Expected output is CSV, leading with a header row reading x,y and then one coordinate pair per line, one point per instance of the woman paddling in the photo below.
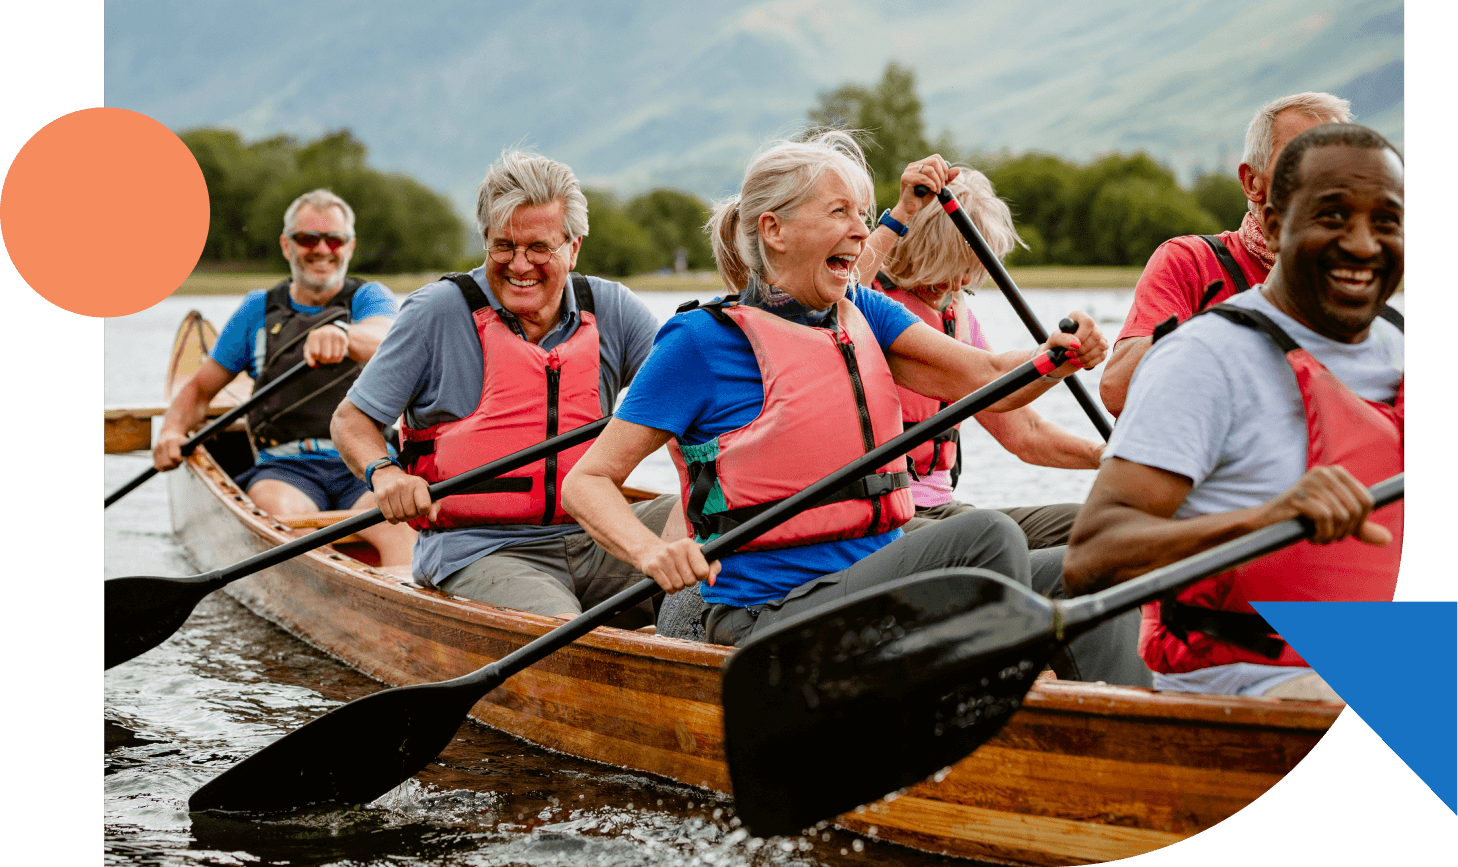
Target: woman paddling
x,y
775,387
928,270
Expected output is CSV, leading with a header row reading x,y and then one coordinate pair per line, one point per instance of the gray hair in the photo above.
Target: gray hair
x,y
933,251
1261,134
524,178
780,179
320,200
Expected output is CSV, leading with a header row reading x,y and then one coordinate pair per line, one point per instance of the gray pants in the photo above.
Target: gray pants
x,y
983,538
1045,526
564,575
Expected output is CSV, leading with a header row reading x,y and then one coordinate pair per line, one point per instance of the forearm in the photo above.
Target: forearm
x,y
598,505
949,370
1035,440
1119,372
186,411
358,438
1112,543
873,257
365,337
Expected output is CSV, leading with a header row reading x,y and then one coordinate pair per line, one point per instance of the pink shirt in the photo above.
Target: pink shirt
x,y
935,488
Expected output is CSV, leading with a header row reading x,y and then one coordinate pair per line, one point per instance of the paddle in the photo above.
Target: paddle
x,y
221,422
215,427
1009,289
360,751
142,611
837,707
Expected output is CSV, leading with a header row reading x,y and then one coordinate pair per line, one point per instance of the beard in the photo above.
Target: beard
x,y
302,277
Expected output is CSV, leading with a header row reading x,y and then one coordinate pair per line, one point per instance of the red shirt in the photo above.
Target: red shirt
x,y
1175,279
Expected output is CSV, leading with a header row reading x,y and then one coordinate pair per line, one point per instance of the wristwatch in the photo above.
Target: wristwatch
x,y
369,479
892,223
341,325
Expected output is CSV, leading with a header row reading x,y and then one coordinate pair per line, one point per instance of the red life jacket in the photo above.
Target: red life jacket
x,y
528,394
945,451
828,399
1366,437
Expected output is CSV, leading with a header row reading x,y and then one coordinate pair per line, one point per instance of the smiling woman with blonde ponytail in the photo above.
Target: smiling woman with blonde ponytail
x,y
788,378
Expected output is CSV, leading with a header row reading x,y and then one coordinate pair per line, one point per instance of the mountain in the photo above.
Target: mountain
x,y
638,95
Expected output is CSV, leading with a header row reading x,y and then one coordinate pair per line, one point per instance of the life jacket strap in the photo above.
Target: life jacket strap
x,y
1241,628
867,487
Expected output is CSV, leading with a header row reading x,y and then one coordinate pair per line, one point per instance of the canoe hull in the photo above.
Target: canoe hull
x,y
1081,774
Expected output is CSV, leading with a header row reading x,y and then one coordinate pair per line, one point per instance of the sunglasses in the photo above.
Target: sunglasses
x,y
308,240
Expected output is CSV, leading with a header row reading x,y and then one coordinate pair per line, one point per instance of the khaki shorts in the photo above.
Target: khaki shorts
x,y
565,575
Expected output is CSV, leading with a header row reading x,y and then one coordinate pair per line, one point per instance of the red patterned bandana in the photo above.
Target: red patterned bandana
x,y
1255,240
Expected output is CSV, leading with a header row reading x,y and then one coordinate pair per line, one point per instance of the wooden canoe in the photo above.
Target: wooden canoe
x,y
1082,773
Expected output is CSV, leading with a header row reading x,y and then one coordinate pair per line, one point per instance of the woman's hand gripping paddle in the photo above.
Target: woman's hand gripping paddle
x,y
839,706
358,752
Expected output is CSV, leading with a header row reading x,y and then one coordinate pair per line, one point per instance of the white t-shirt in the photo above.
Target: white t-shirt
x,y
1218,403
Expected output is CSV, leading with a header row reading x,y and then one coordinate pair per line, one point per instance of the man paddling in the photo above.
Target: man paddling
x,y
1285,401
484,364
1180,278
319,316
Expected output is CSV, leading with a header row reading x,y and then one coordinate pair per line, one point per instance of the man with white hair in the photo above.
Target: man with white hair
x,y
332,322
1181,277
485,364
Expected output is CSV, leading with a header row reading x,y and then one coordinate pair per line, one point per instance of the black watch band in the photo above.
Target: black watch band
x,y
369,474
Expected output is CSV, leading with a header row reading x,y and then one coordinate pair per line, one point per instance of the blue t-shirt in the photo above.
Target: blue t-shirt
x,y
241,344
702,380
239,348
429,368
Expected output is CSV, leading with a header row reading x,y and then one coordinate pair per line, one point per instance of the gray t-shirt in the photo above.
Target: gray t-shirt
x,y
1218,403
429,368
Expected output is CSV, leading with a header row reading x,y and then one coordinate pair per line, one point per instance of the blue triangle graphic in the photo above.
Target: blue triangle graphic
x,y
1396,665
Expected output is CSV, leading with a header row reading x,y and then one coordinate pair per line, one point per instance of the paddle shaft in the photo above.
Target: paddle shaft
x,y
227,418
1088,611
1009,289
453,485
781,512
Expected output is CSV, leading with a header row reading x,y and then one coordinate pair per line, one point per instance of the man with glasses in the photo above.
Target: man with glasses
x,y
318,316
485,364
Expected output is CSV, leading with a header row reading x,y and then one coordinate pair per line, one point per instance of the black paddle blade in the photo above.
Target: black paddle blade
x,y
838,707
142,612
351,755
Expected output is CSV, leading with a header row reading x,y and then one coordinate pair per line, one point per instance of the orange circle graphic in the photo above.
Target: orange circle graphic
x,y
104,212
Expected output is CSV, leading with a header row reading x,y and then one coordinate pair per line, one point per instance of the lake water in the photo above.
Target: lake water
x,y
229,683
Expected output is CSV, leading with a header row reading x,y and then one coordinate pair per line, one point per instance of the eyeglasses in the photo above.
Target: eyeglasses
x,y
308,240
537,254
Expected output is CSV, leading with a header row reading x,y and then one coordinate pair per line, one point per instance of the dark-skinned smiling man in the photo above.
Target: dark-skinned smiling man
x,y
1285,401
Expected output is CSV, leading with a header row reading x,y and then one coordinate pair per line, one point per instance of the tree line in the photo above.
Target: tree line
x,y
1114,210
404,226
401,225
